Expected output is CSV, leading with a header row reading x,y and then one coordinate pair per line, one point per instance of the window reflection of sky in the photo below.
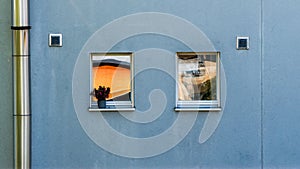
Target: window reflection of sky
x,y
119,58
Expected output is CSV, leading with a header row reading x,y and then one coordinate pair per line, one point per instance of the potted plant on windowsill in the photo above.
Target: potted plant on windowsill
x,y
101,94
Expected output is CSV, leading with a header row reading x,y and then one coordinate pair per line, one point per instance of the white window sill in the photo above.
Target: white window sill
x,y
192,109
111,110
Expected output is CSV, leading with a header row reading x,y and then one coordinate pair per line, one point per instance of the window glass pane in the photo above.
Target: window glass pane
x,y
113,72
197,77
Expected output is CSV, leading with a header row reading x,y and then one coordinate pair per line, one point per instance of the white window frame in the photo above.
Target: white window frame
x,y
199,105
113,105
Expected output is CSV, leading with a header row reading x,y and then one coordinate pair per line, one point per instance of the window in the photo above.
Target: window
x,y
198,81
113,70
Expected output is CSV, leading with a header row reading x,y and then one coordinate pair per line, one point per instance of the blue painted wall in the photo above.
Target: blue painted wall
x,y
6,106
252,132
281,84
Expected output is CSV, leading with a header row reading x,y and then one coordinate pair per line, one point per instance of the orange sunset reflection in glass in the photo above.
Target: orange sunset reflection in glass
x,y
113,72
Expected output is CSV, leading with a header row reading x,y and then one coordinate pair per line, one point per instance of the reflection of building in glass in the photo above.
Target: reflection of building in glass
x,y
113,72
197,77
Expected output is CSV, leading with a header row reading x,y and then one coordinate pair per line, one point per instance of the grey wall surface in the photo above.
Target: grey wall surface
x,y
59,138
281,84
6,122
259,127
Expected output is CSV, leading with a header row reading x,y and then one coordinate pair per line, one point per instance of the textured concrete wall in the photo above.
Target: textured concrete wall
x,y
259,126
60,140
6,120
281,84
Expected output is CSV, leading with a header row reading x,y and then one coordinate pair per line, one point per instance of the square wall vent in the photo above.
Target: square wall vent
x,y
242,43
55,40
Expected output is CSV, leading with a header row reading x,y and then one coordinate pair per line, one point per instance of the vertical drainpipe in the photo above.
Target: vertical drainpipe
x,y
21,81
